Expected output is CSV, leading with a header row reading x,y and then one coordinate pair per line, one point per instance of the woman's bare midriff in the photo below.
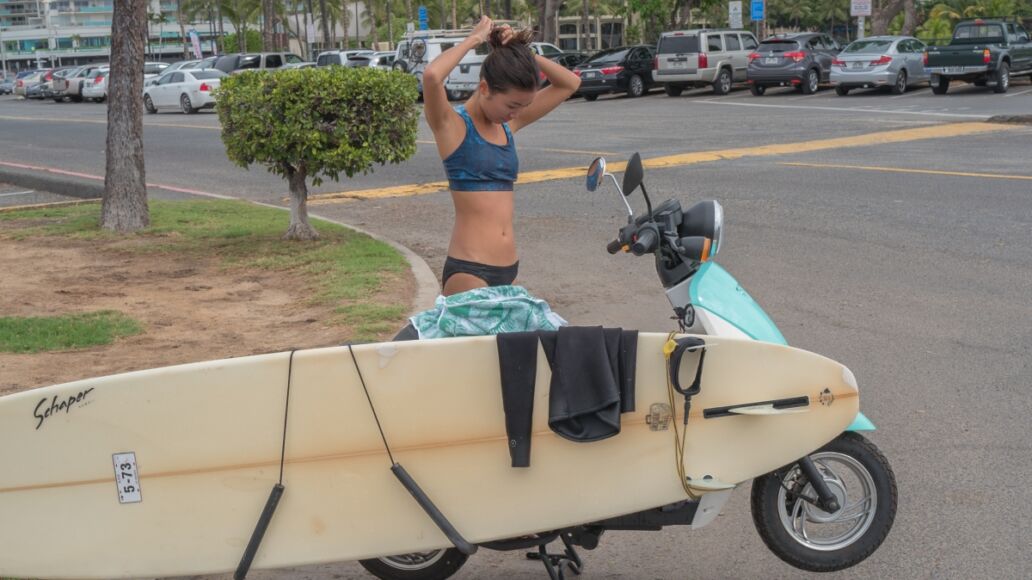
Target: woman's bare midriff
x,y
483,228
482,234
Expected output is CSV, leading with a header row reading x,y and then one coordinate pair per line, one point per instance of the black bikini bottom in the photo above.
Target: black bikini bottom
x,y
493,275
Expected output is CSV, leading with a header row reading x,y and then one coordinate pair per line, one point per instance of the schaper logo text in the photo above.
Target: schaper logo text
x,y
44,411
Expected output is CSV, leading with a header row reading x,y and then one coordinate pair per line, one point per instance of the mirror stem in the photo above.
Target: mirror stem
x,y
648,203
630,212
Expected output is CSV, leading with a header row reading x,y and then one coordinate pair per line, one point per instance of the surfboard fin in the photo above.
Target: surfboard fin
x,y
767,409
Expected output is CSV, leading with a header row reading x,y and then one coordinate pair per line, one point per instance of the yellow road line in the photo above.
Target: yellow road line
x,y
905,170
104,122
866,140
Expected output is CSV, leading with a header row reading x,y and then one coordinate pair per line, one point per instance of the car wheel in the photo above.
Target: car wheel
x,y
186,105
432,565
455,95
76,98
673,90
722,85
841,91
635,87
811,82
900,86
940,86
757,90
149,105
1002,78
590,97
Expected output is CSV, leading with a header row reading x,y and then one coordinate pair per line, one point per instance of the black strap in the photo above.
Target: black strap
x,y
410,484
274,496
685,344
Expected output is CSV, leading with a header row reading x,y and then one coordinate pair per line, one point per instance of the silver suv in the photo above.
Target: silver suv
x,y
695,58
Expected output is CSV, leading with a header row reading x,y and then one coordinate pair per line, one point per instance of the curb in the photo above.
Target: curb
x,y
60,183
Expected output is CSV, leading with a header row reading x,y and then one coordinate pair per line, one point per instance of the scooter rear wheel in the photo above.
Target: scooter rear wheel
x,y
432,565
809,538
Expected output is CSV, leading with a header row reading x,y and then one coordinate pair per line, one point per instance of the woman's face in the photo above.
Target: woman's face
x,y
504,106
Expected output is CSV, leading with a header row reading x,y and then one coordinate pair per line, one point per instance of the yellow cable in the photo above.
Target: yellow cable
x,y
679,438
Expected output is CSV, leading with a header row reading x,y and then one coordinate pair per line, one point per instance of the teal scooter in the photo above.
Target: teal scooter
x,y
825,512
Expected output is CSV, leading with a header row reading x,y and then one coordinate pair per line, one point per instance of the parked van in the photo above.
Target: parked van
x,y
696,58
421,47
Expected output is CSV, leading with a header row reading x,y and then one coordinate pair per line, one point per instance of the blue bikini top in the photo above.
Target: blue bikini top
x,y
479,165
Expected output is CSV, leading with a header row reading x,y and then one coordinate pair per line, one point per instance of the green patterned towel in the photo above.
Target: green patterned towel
x,y
484,311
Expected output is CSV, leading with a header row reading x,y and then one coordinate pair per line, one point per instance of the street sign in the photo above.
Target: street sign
x,y
759,10
423,18
734,14
860,8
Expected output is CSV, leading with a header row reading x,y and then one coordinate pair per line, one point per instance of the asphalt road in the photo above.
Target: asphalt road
x,y
909,260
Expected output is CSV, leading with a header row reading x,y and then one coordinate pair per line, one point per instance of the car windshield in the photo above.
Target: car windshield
x,y
208,74
977,32
614,56
778,46
868,46
678,44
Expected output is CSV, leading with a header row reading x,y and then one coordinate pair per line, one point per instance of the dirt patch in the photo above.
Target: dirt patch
x,y
192,310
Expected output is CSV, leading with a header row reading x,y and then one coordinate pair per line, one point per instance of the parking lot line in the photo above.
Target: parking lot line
x,y
1013,94
13,193
104,122
911,93
867,139
907,170
841,109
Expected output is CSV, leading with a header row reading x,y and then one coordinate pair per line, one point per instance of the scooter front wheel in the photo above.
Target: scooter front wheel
x,y
807,537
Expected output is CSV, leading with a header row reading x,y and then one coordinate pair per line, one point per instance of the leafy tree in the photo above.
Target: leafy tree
x,y
317,122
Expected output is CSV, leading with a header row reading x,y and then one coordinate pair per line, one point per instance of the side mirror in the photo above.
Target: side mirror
x,y
632,175
596,171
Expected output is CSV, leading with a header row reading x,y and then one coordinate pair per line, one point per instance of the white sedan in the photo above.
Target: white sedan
x,y
95,86
188,90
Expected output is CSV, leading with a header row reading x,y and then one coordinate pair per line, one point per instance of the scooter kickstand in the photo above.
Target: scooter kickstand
x,y
555,563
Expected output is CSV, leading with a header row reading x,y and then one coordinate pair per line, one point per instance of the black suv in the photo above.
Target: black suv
x,y
625,69
801,60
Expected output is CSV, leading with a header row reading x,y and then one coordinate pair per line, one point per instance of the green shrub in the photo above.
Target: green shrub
x,y
317,122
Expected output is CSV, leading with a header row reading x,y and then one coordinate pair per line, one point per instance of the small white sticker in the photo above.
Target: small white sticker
x,y
127,479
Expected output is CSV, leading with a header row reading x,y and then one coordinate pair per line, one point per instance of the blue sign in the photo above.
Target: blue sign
x,y
422,18
758,10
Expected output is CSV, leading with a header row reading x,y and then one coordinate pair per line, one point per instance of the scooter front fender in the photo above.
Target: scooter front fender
x,y
861,423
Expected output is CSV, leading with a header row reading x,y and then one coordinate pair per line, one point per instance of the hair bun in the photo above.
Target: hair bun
x,y
520,38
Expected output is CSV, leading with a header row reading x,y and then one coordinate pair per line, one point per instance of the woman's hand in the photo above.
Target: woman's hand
x,y
482,30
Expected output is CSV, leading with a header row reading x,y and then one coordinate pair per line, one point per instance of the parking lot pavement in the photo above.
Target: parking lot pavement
x,y
15,196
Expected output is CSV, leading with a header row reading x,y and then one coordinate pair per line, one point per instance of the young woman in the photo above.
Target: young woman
x,y
476,143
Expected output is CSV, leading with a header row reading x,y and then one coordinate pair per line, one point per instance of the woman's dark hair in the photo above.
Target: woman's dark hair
x,y
510,65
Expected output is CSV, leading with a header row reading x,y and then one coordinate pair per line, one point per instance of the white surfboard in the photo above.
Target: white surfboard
x,y
165,472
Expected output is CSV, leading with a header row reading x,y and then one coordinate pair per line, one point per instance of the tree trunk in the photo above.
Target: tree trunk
x,y
325,25
299,228
507,7
124,206
546,14
182,28
883,15
454,13
585,44
222,29
345,16
268,39
909,17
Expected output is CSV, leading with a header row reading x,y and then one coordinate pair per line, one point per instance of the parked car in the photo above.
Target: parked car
x,y
545,49
205,63
231,63
29,85
879,61
625,69
984,52
568,60
182,64
52,82
340,57
19,81
802,60
382,60
153,69
94,87
71,85
697,58
189,90
7,86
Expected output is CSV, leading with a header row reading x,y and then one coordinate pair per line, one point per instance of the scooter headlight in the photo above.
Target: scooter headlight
x,y
718,227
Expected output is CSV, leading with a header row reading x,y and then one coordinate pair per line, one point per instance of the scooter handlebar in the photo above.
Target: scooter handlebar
x,y
645,241
614,246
